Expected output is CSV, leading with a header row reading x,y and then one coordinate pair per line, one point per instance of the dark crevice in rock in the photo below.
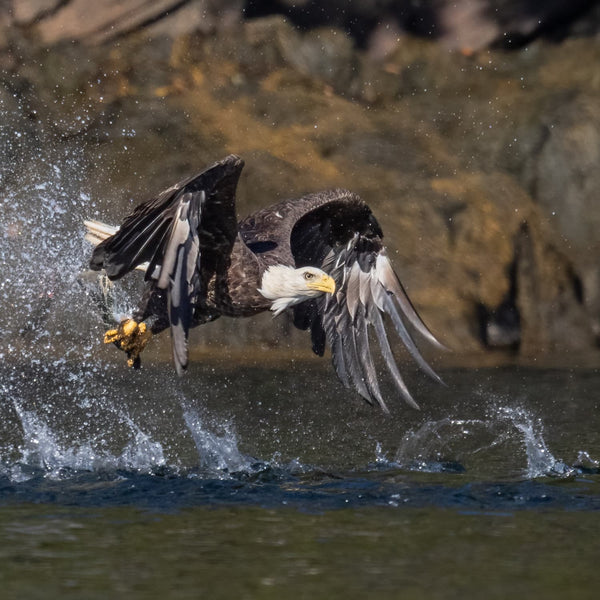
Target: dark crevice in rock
x,y
500,327
530,19
577,284
358,19
450,212
472,24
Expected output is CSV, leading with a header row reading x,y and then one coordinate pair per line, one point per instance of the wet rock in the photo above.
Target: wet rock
x,y
27,12
567,180
481,169
475,24
53,21
327,54
516,293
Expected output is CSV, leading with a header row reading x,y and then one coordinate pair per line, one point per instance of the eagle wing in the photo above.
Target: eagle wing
x,y
339,234
185,234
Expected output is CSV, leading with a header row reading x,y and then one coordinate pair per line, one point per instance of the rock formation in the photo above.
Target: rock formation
x,y
482,166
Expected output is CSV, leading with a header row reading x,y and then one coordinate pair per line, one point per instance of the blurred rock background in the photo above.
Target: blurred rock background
x,y
472,128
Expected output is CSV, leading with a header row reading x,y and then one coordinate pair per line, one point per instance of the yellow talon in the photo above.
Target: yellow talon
x,y
131,337
112,335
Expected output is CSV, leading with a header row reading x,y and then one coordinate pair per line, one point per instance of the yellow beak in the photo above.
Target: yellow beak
x,y
324,284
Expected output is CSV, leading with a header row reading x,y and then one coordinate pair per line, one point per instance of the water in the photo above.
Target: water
x,y
265,481
247,482
248,435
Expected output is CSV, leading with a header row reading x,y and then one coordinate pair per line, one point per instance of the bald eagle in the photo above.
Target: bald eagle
x,y
319,257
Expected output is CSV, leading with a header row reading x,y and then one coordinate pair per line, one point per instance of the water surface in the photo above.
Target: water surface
x,y
259,482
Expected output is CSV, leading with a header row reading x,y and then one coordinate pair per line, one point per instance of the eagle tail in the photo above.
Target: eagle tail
x,y
97,232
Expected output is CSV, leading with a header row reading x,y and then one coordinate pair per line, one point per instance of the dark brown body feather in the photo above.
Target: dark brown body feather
x,y
203,264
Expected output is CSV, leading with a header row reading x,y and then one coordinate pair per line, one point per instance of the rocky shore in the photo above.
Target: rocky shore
x,y
482,165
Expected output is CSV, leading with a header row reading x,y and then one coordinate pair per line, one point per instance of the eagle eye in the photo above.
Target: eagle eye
x,y
308,275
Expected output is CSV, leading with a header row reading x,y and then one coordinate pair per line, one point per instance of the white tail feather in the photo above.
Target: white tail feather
x,y
97,232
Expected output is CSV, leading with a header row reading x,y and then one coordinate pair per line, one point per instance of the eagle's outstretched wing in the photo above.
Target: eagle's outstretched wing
x,y
339,234
185,235
367,290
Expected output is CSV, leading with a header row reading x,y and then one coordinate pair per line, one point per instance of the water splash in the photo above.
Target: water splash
x,y
586,464
55,392
540,461
218,454
446,444
433,448
142,453
42,450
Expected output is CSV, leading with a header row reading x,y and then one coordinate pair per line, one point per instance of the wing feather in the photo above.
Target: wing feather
x,y
348,246
352,359
328,319
380,293
186,234
388,356
361,340
179,273
407,338
386,275
352,284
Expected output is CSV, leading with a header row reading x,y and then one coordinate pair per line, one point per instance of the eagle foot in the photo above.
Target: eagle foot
x,y
131,337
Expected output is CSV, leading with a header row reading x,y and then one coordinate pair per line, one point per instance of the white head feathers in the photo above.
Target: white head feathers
x,y
288,286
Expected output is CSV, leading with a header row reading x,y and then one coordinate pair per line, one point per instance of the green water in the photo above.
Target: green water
x,y
249,483
250,552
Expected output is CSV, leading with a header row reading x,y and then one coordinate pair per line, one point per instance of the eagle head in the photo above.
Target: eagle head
x,y
287,286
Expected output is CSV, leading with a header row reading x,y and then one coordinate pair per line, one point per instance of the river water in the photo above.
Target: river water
x,y
261,482
252,480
